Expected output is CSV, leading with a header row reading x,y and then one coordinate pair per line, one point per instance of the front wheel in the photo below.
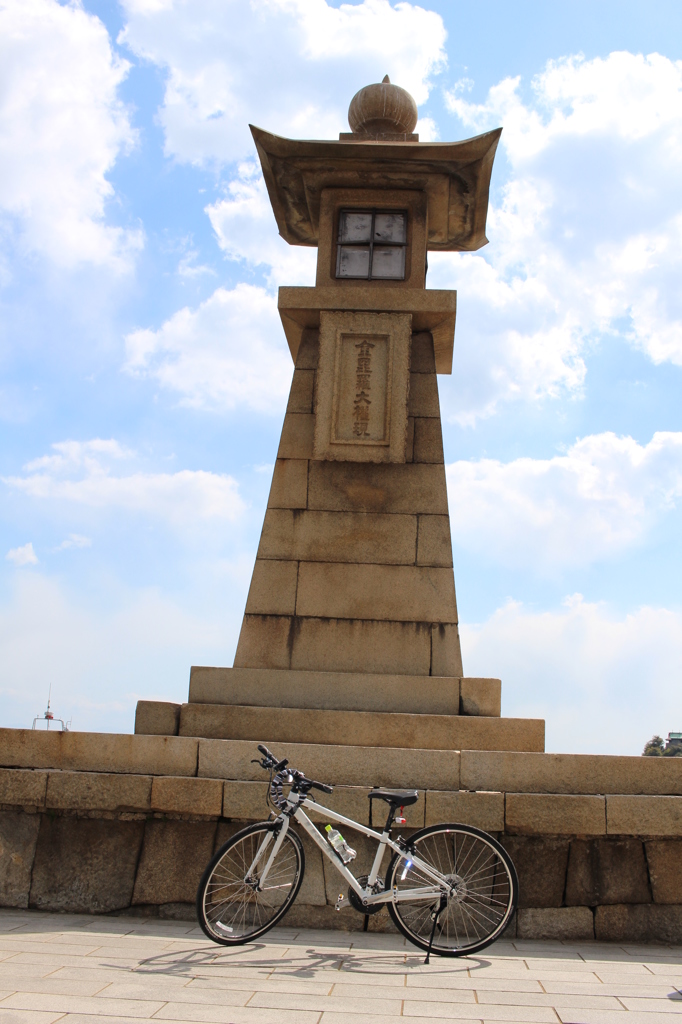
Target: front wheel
x,y
481,888
233,905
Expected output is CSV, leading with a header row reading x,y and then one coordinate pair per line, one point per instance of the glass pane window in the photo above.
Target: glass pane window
x,y
355,226
371,244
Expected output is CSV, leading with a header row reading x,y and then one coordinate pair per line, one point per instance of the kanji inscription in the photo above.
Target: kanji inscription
x,y
360,390
362,385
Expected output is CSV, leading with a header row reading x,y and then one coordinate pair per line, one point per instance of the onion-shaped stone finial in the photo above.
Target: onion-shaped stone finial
x,y
383,108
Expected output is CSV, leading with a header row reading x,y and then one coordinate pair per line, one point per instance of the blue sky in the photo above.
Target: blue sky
x,y
144,372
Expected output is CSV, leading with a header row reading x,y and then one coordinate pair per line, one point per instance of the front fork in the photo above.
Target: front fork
x,y
262,849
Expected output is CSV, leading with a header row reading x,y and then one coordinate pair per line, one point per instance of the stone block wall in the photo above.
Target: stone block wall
x,y
113,842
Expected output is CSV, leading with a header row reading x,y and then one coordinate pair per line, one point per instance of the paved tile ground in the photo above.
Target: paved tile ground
x,y
104,970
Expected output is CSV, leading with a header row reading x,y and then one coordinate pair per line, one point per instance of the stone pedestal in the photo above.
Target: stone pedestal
x,y
350,635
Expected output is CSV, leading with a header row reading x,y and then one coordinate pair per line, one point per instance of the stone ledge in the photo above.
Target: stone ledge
x,y
23,788
575,774
482,810
187,796
638,923
99,752
550,814
644,815
98,791
560,923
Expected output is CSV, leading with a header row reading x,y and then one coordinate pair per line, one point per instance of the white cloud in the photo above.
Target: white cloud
x,y
75,540
586,237
62,127
593,502
604,683
229,352
22,556
81,472
289,65
246,230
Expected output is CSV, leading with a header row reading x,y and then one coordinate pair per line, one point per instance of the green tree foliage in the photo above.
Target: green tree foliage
x,y
655,747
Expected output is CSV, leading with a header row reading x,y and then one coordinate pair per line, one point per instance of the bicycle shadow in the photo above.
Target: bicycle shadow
x,y
306,963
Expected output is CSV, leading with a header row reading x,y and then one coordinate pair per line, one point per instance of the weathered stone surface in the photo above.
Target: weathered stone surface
x,y
289,488
301,394
335,645
308,350
638,924
361,387
346,487
560,923
644,815
446,653
428,440
482,810
85,865
434,546
265,641
273,588
541,866
174,855
346,645
157,718
22,788
98,791
480,696
296,441
399,593
245,800
367,728
571,773
339,537
554,814
422,359
664,859
338,765
423,395
187,796
344,691
98,752
606,871
18,836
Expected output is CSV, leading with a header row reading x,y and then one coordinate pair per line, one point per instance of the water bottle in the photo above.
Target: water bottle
x,y
338,843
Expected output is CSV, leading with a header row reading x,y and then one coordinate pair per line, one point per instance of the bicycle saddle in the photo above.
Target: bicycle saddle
x,y
397,797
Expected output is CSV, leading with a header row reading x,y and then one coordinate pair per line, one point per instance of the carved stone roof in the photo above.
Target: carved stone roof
x,y
455,176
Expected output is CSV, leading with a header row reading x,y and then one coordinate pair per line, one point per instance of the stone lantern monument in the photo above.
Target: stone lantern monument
x,y
350,630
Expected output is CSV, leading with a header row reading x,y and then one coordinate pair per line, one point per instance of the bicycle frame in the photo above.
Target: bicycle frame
x,y
294,809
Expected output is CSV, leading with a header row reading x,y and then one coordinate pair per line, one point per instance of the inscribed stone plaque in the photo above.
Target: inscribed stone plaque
x,y
362,386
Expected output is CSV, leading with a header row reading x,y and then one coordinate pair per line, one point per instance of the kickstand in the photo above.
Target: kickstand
x,y
435,914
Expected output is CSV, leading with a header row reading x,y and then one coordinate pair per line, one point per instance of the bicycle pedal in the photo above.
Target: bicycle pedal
x,y
340,902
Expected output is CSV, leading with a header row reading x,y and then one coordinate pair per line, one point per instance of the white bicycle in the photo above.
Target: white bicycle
x,y
449,888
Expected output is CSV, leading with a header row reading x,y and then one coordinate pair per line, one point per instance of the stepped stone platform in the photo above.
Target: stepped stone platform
x,y
102,823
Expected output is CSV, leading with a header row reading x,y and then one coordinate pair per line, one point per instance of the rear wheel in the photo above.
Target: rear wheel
x,y
481,893
233,906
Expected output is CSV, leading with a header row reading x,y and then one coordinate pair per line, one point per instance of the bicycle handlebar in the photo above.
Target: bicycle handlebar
x,y
298,779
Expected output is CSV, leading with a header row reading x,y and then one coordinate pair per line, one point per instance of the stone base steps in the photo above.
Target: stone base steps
x,y
85,841
659,779
361,728
345,691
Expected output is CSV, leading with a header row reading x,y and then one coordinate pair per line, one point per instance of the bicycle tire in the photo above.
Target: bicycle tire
x,y
481,906
225,900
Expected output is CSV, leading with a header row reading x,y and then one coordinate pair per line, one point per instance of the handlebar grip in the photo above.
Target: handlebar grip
x,y
265,752
323,787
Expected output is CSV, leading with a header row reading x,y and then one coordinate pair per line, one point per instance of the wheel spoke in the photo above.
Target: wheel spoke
x,y
234,908
477,879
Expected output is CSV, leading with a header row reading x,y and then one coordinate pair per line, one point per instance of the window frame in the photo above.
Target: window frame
x,y
371,244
